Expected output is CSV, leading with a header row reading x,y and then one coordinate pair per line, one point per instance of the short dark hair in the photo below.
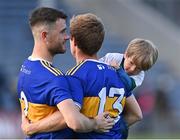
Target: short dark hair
x,y
45,15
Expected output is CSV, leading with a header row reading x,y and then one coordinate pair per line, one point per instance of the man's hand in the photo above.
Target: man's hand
x,y
25,125
50,123
104,123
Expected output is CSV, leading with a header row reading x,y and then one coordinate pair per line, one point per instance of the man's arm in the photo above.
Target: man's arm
x,y
77,121
132,112
53,122
80,123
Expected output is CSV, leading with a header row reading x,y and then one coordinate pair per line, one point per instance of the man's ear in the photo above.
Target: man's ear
x,y
43,35
73,40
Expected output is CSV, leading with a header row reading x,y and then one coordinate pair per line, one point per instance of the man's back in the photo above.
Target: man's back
x,y
39,85
101,90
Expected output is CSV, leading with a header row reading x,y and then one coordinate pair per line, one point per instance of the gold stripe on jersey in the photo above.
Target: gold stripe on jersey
x,y
38,111
50,68
69,71
55,69
91,105
109,106
61,73
46,66
123,101
75,68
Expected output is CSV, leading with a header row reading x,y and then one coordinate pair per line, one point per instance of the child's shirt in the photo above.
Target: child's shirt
x,y
119,59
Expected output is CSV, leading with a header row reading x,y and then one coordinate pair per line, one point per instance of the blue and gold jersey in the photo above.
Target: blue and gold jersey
x,y
40,88
100,89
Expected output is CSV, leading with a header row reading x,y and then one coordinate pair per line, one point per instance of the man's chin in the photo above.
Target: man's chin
x,y
64,49
62,52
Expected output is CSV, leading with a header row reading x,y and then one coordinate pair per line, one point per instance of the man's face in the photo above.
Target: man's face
x,y
57,37
130,67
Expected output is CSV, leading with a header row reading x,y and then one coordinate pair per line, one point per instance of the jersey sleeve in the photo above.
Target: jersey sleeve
x,y
58,90
112,57
76,90
126,79
138,79
129,93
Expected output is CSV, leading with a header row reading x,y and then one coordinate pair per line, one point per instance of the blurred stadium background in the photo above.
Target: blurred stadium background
x,y
157,20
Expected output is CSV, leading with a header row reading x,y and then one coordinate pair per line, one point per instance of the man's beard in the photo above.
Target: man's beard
x,y
59,49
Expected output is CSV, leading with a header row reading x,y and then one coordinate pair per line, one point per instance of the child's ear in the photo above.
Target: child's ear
x,y
125,54
73,40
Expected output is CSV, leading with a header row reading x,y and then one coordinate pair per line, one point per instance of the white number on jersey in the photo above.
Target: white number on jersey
x,y
23,97
116,105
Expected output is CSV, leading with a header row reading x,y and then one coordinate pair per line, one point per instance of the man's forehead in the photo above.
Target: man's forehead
x,y
61,23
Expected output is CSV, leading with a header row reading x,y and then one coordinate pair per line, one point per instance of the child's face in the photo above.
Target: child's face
x,y
130,67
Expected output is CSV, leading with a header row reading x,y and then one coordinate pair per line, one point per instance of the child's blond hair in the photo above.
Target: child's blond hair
x,y
143,52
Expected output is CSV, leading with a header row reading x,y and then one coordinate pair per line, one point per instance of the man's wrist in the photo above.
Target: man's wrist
x,y
31,129
95,124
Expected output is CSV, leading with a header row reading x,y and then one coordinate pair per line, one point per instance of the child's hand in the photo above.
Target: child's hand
x,y
114,64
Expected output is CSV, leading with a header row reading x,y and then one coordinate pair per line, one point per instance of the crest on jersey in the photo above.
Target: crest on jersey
x,y
100,67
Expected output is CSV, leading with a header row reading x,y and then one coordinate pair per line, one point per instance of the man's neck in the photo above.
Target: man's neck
x,y
82,57
40,52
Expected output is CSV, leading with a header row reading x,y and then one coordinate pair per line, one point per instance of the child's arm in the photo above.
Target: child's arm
x,y
130,82
115,59
109,58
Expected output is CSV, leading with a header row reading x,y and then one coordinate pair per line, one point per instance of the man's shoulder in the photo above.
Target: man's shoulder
x,y
83,67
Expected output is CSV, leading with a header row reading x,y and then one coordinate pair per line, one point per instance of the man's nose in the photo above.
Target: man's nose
x,y
66,37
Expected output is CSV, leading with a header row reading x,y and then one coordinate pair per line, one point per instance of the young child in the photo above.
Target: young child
x,y
139,56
